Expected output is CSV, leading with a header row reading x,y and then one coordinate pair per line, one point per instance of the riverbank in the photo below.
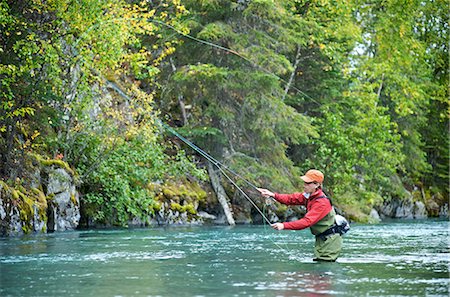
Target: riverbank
x,y
49,200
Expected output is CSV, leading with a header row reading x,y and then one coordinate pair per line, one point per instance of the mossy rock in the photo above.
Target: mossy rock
x,y
183,191
190,209
176,207
187,208
52,162
26,197
155,207
26,201
355,214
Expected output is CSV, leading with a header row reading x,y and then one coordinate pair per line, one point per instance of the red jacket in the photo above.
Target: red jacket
x,y
317,208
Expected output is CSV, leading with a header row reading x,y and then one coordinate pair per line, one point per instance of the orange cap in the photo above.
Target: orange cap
x,y
313,175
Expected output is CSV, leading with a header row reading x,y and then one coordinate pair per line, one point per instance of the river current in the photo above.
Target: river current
x,y
397,258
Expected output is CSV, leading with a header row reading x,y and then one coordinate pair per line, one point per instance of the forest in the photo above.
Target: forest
x,y
358,89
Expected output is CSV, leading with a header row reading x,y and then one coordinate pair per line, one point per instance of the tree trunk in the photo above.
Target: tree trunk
x,y
183,110
221,195
379,89
291,78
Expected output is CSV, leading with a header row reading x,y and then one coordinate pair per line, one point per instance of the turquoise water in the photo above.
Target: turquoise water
x,y
403,258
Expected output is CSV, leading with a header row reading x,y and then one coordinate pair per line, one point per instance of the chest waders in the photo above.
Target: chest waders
x,y
326,248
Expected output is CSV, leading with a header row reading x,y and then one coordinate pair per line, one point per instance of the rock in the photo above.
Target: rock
x,y
206,216
11,224
39,223
403,209
2,209
221,220
433,208
419,210
58,181
393,209
168,216
443,211
139,222
64,207
272,217
374,216
47,202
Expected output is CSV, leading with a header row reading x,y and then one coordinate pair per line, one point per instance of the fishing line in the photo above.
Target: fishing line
x,y
232,52
211,159
199,41
221,167
285,249
245,195
218,164
205,154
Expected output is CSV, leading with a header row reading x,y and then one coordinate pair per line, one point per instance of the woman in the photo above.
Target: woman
x,y
320,216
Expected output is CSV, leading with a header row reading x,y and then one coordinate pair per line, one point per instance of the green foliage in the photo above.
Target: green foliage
x,y
356,89
394,67
432,30
359,72
216,31
245,116
55,62
117,187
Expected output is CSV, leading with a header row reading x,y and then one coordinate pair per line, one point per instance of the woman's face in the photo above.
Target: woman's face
x,y
310,187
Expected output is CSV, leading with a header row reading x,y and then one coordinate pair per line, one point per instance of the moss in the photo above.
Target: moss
x,y
281,210
26,200
176,206
57,163
153,187
41,199
417,195
26,211
15,194
190,209
73,198
354,214
156,206
199,192
169,193
183,191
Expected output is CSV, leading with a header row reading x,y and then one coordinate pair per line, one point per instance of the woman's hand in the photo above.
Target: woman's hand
x,y
266,193
277,226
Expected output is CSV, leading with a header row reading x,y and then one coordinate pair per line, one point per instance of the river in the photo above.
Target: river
x,y
397,258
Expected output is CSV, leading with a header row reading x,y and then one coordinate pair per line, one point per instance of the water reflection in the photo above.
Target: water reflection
x,y
312,282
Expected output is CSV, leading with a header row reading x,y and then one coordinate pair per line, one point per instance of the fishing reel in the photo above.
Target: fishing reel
x,y
269,201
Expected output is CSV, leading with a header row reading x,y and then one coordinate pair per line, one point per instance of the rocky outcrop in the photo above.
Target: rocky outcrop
x,y
64,208
178,203
403,209
374,216
46,202
10,222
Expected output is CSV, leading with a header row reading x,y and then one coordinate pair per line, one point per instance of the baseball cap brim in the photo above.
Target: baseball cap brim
x,y
306,179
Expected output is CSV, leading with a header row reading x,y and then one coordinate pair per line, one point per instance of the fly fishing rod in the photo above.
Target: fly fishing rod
x,y
219,165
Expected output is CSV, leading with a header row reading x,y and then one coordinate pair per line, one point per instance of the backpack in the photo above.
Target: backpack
x,y
342,225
